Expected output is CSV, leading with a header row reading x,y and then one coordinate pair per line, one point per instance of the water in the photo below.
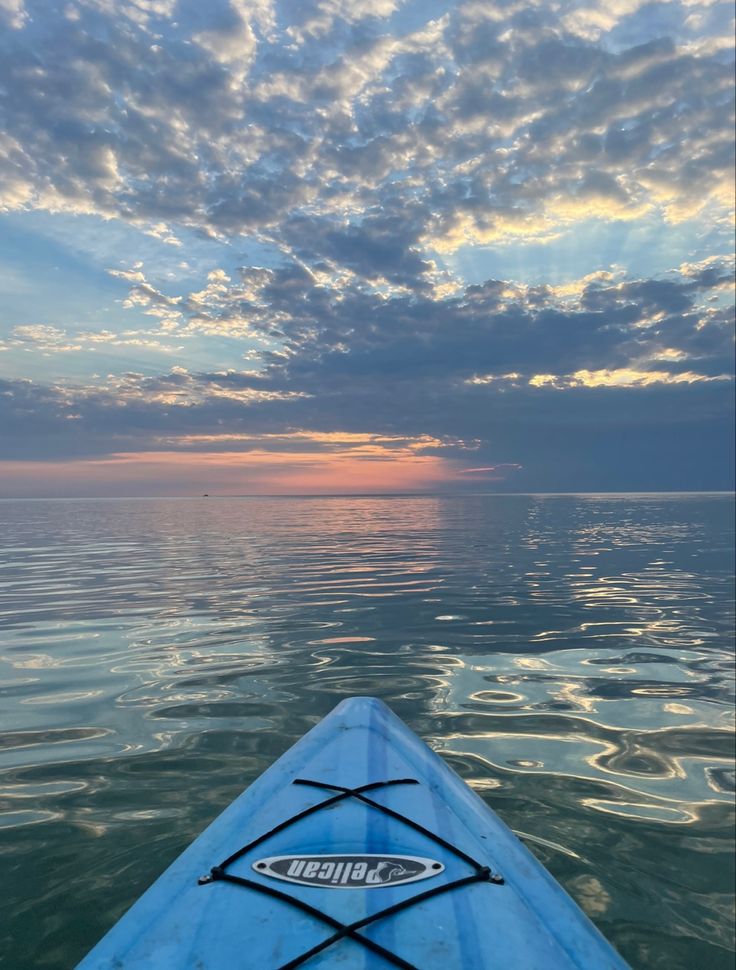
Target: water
x,y
570,656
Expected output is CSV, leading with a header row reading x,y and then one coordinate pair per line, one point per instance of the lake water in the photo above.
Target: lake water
x,y
570,656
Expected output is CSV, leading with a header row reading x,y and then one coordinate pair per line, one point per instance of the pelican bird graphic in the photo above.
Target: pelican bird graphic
x,y
388,871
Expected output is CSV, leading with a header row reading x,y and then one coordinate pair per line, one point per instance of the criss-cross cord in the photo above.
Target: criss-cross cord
x,y
344,930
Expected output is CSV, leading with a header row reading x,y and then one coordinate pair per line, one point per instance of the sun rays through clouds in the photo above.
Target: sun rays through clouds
x,y
337,246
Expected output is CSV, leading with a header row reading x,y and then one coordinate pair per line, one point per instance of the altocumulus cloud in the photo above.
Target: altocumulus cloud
x,y
371,149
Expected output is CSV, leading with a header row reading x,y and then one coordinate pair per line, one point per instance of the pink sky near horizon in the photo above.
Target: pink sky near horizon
x,y
255,472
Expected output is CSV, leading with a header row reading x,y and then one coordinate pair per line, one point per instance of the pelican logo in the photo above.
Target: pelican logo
x,y
348,871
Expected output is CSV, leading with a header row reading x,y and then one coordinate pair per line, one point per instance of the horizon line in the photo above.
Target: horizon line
x,y
331,495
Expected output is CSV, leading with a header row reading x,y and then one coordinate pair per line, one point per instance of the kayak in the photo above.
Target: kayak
x,y
358,848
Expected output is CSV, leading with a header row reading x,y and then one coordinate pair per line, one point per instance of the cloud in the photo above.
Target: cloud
x,y
229,38
315,330
47,340
494,473
41,337
292,120
359,145
311,19
487,378
171,473
622,377
14,13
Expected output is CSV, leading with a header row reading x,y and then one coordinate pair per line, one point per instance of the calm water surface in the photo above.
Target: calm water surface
x,y
571,657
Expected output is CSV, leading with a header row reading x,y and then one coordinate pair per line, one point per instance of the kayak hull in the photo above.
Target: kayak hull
x,y
361,791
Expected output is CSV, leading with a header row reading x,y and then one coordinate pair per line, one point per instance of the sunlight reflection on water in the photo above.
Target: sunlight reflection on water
x,y
570,656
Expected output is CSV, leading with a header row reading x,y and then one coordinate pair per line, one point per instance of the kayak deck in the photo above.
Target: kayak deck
x,y
359,848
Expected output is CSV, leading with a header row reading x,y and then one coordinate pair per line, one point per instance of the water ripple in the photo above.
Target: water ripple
x,y
570,656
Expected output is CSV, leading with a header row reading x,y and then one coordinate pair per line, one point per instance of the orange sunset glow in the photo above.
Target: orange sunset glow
x,y
253,472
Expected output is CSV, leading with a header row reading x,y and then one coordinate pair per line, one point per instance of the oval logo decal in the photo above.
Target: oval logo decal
x,y
348,871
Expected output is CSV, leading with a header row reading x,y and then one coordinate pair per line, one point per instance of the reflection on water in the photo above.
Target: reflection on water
x,y
570,656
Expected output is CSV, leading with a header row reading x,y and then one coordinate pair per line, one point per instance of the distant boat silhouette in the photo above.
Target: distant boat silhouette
x,y
205,495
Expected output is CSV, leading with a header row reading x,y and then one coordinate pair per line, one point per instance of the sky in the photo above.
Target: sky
x,y
355,246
